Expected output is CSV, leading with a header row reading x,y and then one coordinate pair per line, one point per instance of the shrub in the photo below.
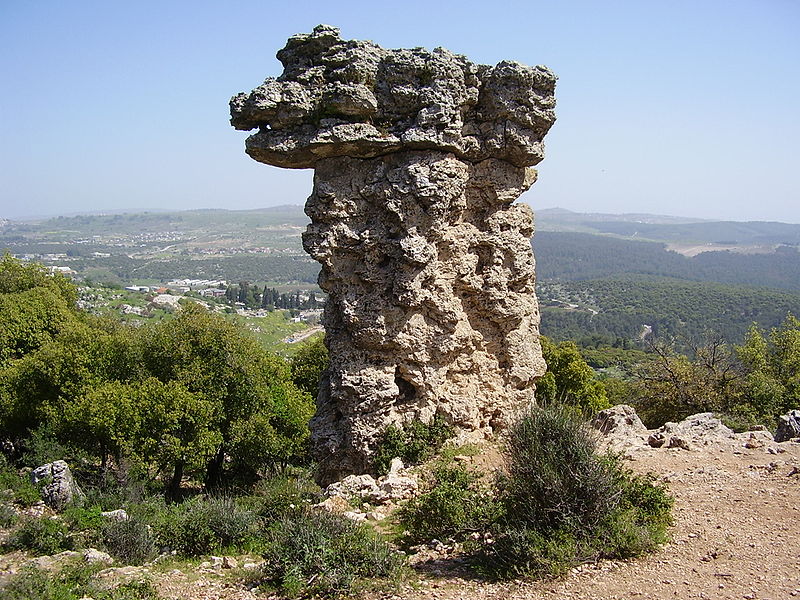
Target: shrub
x,y
320,554
42,446
70,584
81,518
110,490
414,444
129,541
8,516
457,504
569,379
281,496
554,477
565,504
24,492
204,525
40,536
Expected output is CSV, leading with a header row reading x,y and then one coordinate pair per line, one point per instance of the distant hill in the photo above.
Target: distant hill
x,y
598,274
670,229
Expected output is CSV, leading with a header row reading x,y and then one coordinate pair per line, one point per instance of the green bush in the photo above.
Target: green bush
x,y
129,541
414,444
318,554
70,584
554,477
205,525
40,536
8,516
282,496
81,518
42,446
456,505
23,491
569,379
565,504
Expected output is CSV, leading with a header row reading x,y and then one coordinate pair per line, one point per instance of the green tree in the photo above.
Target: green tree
x,y
221,361
179,429
672,386
34,306
36,388
16,276
569,380
308,365
105,420
771,384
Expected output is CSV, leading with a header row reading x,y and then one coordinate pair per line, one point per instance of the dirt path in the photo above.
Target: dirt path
x,y
303,335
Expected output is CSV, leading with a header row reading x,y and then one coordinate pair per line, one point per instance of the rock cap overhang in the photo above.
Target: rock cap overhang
x,y
353,98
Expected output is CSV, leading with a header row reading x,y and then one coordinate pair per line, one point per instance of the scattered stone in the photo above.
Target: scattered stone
x,y
396,466
398,487
363,487
127,573
334,504
54,561
59,488
229,562
216,562
354,515
419,156
676,441
36,510
756,439
115,515
788,426
97,557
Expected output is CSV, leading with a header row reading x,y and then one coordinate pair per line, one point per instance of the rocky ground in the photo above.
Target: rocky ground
x,y
737,521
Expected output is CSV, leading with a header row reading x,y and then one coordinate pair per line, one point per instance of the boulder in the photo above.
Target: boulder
x,y
621,429
619,421
362,487
58,486
701,429
93,556
398,487
788,426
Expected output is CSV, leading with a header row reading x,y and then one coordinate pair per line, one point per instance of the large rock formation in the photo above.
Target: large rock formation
x,y
418,157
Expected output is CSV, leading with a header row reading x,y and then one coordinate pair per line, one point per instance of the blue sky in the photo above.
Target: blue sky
x,y
682,108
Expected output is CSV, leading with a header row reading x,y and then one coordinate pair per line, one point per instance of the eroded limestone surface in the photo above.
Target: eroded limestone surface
x,y
418,157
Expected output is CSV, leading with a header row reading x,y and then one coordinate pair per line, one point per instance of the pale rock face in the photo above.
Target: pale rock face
x,y
418,157
788,426
59,488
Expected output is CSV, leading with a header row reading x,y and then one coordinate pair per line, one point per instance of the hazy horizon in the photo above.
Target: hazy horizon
x,y
685,109
134,210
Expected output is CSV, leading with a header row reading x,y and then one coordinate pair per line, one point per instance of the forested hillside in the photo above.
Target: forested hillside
x,y
628,306
581,256
594,285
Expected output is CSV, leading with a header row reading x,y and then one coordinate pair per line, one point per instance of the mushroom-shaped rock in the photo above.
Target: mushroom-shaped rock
x,y
419,156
